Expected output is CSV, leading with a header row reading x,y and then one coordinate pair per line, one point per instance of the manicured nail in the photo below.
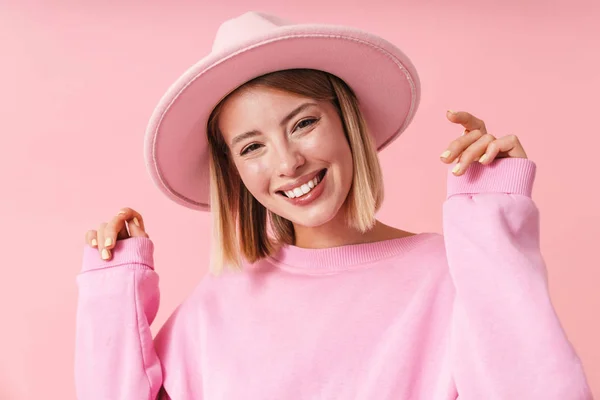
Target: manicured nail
x,y
107,242
456,168
94,242
122,213
445,154
452,111
135,221
483,158
105,254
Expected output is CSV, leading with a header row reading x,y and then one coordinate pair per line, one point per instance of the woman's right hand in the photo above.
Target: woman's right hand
x,y
107,234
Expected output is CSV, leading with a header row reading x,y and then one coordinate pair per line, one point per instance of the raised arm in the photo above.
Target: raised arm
x,y
507,341
118,300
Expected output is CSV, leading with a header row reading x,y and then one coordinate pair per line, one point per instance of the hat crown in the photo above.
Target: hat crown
x,y
244,27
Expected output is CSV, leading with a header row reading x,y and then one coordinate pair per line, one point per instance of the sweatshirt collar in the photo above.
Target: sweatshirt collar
x,y
342,258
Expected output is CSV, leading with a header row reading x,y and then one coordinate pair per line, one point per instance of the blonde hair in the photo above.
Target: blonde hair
x,y
239,222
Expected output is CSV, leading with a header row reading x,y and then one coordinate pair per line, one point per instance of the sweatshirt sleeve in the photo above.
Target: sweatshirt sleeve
x,y
506,339
118,300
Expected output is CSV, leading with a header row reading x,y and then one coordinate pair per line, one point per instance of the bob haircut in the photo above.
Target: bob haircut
x,y
243,227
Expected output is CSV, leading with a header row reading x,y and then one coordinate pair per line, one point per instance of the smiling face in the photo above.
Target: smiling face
x,y
279,142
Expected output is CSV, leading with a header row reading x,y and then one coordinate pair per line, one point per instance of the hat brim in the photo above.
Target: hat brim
x,y
383,78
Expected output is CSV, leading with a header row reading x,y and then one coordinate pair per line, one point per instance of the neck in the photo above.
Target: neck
x,y
336,233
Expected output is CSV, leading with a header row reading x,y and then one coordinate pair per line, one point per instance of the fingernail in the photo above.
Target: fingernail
x,y
107,242
445,154
94,242
452,111
122,213
483,158
105,254
135,221
456,168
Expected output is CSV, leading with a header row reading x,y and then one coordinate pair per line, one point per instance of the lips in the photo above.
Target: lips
x,y
320,174
313,195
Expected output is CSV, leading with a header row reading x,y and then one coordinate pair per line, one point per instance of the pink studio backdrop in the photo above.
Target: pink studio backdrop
x,y
79,81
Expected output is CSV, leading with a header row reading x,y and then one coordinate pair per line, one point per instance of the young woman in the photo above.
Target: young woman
x,y
309,296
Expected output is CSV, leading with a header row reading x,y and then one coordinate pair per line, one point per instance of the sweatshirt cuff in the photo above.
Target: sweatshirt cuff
x,y
502,175
133,250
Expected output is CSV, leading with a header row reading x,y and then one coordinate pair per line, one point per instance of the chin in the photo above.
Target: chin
x,y
311,222
310,218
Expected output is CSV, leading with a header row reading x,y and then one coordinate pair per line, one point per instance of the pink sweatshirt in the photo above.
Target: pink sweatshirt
x,y
465,315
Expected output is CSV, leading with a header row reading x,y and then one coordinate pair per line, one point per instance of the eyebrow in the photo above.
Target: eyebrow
x,y
283,122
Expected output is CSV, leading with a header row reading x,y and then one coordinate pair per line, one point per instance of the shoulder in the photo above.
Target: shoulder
x,y
428,247
206,298
424,252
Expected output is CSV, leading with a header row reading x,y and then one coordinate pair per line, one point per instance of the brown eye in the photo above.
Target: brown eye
x,y
306,122
248,149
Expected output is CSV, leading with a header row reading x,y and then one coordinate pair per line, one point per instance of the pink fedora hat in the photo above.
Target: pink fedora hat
x,y
176,145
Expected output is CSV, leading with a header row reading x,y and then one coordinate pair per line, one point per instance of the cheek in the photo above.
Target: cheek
x,y
255,176
337,149
330,146
326,144
346,166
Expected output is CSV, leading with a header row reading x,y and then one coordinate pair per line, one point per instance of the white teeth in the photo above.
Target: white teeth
x,y
303,189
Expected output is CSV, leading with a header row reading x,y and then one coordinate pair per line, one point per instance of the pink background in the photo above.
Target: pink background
x,y
80,79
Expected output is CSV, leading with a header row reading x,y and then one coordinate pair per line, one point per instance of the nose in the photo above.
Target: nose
x,y
290,159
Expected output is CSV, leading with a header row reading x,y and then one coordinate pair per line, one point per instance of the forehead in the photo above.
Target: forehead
x,y
249,107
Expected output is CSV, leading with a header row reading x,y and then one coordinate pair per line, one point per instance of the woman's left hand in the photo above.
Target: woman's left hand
x,y
476,144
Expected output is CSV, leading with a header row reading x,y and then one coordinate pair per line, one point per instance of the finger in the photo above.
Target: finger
x,y
91,238
136,231
132,215
472,153
458,145
509,146
116,229
123,233
105,254
491,153
468,121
